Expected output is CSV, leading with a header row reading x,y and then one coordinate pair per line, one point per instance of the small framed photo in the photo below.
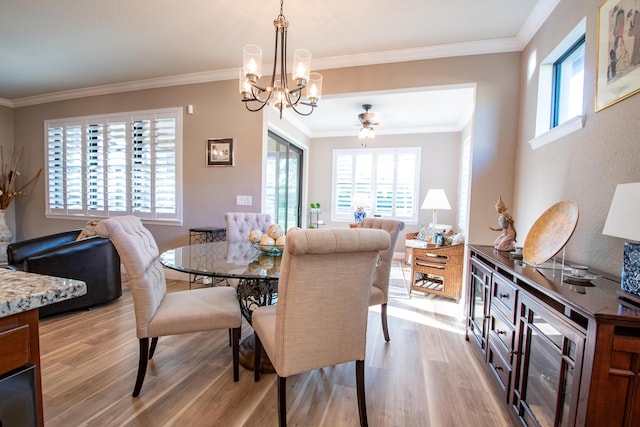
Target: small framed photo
x,y
220,152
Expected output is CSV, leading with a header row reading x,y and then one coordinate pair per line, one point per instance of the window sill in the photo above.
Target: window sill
x,y
558,132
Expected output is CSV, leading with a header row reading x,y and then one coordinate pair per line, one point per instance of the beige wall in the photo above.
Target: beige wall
x,y
584,166
209,192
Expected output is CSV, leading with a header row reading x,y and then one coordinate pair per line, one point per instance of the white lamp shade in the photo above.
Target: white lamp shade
x,y
622,220
436,199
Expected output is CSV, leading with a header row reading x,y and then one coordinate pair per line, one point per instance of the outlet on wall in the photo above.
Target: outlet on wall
x,y
243,200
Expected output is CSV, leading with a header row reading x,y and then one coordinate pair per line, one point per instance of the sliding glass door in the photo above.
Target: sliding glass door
x,y
284,182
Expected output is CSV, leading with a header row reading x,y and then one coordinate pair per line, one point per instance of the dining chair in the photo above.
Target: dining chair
x,y
157,312
380,290
239,224
323,297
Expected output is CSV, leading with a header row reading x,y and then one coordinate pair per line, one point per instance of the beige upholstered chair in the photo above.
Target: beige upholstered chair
x,y
239,224
323,297
380,291
157,312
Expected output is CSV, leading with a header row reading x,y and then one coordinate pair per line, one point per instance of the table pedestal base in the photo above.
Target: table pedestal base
x,y
247,352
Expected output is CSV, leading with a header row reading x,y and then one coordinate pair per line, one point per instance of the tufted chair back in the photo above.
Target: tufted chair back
x,y
239,224
393,227
139,254
323,298
380,289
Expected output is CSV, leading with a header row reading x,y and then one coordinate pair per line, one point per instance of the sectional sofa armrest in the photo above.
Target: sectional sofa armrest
x,y
93,260
19,251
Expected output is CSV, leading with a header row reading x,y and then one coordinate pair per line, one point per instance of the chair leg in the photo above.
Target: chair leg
x,y
154,343
362,402
236,353
257,353
142,365
282,401
385,327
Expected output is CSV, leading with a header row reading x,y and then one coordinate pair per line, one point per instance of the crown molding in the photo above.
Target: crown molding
x,y
371,58
536,18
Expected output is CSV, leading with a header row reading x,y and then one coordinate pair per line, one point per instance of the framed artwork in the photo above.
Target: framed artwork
x,y
220,152
618,52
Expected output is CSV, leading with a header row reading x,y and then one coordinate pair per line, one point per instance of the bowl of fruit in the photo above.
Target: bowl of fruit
x,y
272,242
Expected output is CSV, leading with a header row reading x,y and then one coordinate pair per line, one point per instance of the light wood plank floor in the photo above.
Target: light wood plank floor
x,y
426,375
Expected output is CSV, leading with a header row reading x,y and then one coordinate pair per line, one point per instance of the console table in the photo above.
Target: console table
x,y
558,352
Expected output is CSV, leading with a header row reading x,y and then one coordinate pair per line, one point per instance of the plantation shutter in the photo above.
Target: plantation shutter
x,y
385,181
125,163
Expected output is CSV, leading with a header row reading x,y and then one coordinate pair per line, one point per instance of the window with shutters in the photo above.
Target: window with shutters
x,y
385,181
118,164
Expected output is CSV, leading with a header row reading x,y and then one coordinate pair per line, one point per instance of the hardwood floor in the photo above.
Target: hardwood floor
x,y
426,375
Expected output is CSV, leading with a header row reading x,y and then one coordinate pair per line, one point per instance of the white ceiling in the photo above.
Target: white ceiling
x,y
61,49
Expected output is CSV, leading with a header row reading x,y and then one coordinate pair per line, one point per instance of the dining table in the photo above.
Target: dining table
x,y
256,273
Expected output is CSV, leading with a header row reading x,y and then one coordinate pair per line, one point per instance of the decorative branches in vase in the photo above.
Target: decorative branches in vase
x,y
9,190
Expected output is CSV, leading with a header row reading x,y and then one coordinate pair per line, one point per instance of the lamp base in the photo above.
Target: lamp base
x,y
631,268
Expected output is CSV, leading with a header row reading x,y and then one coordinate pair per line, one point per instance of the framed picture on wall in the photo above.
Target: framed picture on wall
x,y
618,52
220,152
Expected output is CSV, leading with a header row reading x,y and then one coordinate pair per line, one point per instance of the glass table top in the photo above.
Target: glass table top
x,y
223,259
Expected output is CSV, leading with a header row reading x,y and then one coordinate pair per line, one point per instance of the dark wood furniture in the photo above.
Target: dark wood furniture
x,y
559,353
20,344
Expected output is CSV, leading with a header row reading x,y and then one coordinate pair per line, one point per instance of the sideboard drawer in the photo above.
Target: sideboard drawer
x,y
502,330
15,348
503,296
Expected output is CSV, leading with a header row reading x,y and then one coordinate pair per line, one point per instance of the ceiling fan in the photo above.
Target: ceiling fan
x,y
368,120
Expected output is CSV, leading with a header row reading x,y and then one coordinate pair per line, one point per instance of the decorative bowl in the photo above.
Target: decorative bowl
x,y
267,249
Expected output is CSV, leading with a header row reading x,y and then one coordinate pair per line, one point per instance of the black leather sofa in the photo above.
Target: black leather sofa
x,y
93,260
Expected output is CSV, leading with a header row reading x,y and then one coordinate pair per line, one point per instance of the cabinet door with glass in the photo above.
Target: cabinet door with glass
x,y
478,304
550,361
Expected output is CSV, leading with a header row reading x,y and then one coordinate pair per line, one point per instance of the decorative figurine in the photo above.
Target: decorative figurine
x,y
506,240
359,214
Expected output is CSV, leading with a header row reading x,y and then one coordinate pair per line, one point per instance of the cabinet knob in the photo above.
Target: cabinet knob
x,y
499,368
501,332
503,295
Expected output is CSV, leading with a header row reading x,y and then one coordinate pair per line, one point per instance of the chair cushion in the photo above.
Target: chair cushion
x,y
196,310
377,296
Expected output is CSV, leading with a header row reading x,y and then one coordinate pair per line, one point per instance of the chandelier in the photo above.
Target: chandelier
x,y
368,120
280,93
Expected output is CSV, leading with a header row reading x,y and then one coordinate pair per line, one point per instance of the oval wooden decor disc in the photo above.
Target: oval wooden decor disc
x,y
551,232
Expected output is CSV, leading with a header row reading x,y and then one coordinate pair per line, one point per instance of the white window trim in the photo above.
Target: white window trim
x,y
543,133
558,132
157,218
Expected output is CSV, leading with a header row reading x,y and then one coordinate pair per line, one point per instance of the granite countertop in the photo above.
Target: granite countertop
x,y
20,291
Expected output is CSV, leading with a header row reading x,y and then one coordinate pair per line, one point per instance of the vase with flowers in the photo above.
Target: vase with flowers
x,y
9,190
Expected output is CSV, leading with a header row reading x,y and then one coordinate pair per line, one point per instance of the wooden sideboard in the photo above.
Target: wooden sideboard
x,y
558,353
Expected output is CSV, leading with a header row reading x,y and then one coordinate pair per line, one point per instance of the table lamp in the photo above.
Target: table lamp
x,y
436,199
622,221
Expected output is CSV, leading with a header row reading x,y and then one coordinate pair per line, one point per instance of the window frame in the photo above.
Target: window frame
x,y
557,93
155,147
544,132
340,215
